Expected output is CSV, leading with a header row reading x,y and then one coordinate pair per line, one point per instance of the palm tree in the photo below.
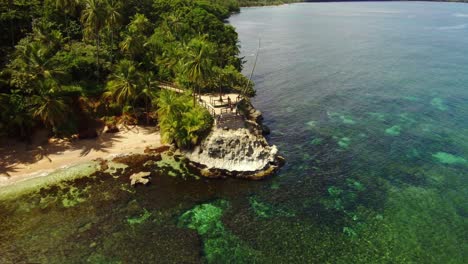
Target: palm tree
x,y
50,110
132,45
192,122
198,65
113,17
93,18
135,38
50,39
167,103
169,115
179,121
4,102
123,83
148,91
49,106
67,6
32,61
174,24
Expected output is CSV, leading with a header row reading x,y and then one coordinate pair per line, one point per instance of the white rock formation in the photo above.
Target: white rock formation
x,y
233,150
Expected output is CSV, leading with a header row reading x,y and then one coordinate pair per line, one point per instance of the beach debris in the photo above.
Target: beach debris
x,y
110,129
140,177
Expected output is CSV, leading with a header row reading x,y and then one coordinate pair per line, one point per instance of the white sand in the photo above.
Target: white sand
x,y
19,161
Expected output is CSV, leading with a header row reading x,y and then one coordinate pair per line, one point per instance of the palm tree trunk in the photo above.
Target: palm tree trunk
x,y
221,93
147,111
97,51
194,96
112,44
111,29
12,33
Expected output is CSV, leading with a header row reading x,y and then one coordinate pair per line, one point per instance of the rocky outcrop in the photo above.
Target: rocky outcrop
x,y
254,118
140,177
241,153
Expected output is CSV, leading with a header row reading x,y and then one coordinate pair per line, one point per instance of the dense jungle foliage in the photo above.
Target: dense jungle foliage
x,y
68,64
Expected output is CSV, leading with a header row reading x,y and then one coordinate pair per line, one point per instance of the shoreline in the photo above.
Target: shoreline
x,y
22,162
352,1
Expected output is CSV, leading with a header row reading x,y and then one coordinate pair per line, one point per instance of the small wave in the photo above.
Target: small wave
x,y
456,27
460,15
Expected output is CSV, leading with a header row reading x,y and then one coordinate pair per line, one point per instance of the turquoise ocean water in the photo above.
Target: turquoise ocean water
x,y
368,102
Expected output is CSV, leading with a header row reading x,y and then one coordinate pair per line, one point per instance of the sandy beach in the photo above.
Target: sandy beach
x,y
20,161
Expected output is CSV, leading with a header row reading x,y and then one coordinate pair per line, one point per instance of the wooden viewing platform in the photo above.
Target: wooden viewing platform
x,y
225,116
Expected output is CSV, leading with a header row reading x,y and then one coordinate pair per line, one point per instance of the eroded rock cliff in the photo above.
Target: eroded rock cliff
x,y
242,152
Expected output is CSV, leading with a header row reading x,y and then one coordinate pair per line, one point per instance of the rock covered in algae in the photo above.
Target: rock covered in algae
x,y
219,245
393,131
140,177
205,218
139,219
447,158
344,118
439,104
344,142
266,210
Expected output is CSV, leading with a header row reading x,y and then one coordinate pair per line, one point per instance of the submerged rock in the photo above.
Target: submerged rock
x,y
220,245
140,177
393,131
139,219
447,158
439,104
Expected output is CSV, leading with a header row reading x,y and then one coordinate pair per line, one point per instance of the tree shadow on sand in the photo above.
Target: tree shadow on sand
x,y
101,144
14,154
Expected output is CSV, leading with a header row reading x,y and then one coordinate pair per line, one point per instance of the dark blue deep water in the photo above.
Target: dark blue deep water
x,y
368,102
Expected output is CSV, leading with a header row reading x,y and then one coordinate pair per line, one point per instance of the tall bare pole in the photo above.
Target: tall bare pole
x,y
255,65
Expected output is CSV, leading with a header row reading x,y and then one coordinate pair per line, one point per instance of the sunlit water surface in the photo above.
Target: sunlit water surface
x,y
368,102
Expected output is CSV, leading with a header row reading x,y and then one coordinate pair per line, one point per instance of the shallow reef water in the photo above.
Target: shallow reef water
x,y
375,134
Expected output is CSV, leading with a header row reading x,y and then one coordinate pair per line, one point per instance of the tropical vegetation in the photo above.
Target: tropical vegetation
x,y
65,64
